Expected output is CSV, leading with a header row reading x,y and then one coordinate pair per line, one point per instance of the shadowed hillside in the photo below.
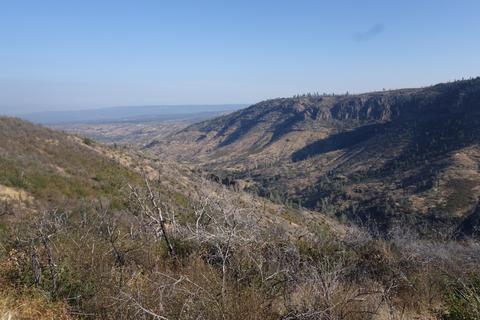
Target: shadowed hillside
x,y
410,154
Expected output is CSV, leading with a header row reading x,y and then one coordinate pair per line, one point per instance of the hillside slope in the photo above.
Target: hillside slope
x,y
53,167
405,154
79,226
44,168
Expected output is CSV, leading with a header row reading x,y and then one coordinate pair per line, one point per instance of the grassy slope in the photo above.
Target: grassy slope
x,y
52,166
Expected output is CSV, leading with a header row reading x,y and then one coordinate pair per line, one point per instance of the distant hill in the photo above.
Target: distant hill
x,y
405,155
130,113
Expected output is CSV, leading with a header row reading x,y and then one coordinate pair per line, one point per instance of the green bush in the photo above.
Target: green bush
x,y
88,141
463,302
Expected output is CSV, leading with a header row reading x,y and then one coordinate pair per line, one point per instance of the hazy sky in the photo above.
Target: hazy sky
x,y
69,54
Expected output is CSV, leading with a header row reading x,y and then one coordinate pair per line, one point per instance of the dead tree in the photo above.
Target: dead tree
x,y
109,230
225,225
44,229
150,207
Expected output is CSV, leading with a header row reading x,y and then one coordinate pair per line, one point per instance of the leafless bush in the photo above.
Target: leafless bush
x,y
152,214
215,259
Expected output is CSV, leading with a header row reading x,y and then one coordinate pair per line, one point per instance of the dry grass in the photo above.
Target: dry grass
x,y
31,306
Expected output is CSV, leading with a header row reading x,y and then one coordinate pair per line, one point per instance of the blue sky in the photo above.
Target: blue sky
x,y
61,55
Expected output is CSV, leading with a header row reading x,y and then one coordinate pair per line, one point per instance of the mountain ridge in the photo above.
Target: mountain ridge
x,y
350,151
128,113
